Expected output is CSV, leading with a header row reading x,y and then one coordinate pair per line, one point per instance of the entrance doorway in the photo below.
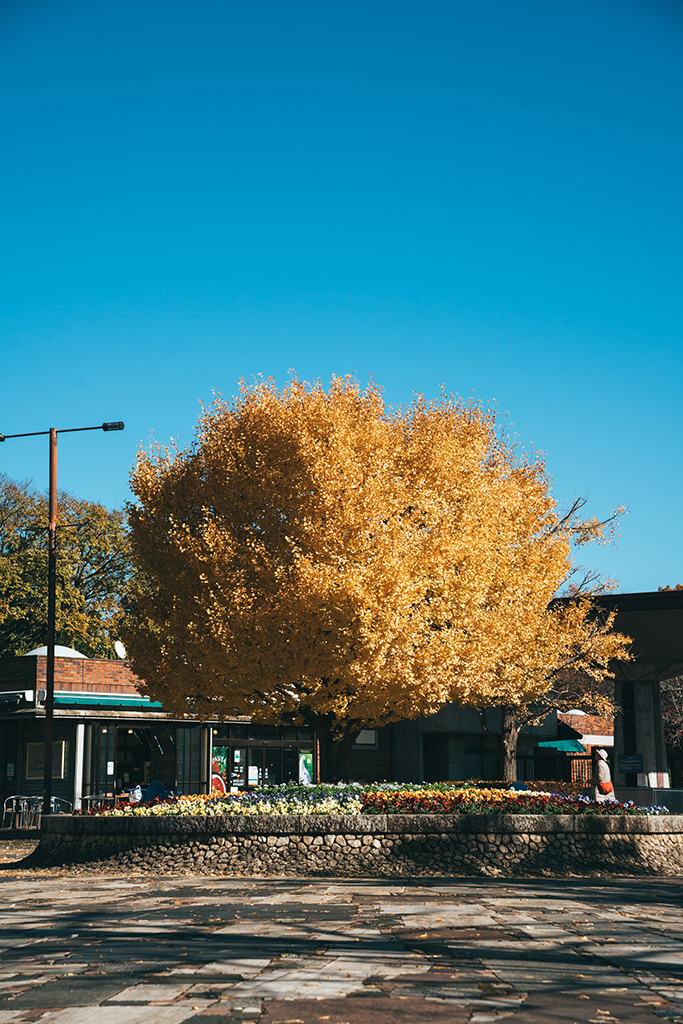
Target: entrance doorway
x,y
435,756
117,758
249,757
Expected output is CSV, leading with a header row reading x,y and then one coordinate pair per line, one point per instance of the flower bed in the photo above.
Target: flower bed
x,y
491,801
440,798
277,800
539,786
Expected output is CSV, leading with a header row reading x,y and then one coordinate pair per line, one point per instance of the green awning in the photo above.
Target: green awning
x,y
105,701
566,746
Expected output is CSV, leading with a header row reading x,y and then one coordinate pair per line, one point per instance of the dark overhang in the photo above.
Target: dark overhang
x,y
654,621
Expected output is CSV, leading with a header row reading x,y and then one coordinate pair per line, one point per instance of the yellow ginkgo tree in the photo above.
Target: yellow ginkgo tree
x,y
315,558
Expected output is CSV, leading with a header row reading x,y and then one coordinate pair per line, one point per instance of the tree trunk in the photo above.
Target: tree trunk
x,y
334,754
509,733
504,745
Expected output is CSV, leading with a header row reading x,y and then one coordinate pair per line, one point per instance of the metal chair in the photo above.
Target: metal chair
x,y
16,808
35,809
61,806
58,805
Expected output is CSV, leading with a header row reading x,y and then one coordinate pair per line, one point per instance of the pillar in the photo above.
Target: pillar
x,y
639,730
79,765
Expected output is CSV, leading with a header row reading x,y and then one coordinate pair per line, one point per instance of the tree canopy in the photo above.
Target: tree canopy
x,y
93,568
316,558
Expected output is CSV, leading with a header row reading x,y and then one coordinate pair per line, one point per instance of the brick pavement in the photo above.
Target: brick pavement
x,y
106,950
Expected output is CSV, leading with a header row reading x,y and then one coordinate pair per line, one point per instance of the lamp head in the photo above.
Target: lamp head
x,y
110,426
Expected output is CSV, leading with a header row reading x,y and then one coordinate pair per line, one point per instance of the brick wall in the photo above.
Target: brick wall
x,y
78,675
589,725
18,673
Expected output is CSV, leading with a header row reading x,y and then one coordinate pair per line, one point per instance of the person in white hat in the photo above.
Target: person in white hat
x,y
604,790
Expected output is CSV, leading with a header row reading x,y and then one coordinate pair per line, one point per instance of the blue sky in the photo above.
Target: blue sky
x,y
485,195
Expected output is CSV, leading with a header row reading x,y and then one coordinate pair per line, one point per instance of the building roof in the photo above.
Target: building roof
x,y
105,700
60,652
654,621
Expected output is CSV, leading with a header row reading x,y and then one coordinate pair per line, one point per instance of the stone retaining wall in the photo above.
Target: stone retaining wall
x,y
367,845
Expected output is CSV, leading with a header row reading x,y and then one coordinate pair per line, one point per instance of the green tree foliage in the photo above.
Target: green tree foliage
x,y
93,569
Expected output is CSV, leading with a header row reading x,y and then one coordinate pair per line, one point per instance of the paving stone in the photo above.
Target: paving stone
x,y
362,1010
243,966
122,1015
610,1009
78,991
149,993
228,950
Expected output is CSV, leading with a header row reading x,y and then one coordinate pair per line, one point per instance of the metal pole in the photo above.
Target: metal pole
x,y
52,592
51,615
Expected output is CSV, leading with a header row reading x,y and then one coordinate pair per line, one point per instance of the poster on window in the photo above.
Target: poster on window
x,y
219,769
306,767
35,760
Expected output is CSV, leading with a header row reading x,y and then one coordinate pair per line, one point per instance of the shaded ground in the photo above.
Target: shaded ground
x,y
104,950
15,849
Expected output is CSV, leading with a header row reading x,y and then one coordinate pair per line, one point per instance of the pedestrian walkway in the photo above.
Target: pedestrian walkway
x,y
104,950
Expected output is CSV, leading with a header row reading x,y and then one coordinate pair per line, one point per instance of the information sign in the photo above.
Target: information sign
x,y
631,763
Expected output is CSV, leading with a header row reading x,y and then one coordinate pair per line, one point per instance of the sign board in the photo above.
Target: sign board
x,y
219,761
631,763
10,771
306,767
35,760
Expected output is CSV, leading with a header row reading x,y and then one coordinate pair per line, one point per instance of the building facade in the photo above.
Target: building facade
x,y
109,738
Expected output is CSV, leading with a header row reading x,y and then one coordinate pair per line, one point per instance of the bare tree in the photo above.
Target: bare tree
x,y
672,710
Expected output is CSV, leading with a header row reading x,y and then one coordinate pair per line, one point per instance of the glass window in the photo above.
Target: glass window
x,y
272,770
263,732
132,757
290,764
238,768
480,759
101,756
255,767
188,745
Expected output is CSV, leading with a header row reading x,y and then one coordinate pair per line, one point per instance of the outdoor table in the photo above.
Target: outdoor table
x,y
98,798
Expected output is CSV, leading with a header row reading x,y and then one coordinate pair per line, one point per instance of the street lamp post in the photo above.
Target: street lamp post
x,y
52,594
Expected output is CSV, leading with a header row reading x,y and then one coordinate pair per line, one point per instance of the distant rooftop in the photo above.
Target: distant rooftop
x,y
60,652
